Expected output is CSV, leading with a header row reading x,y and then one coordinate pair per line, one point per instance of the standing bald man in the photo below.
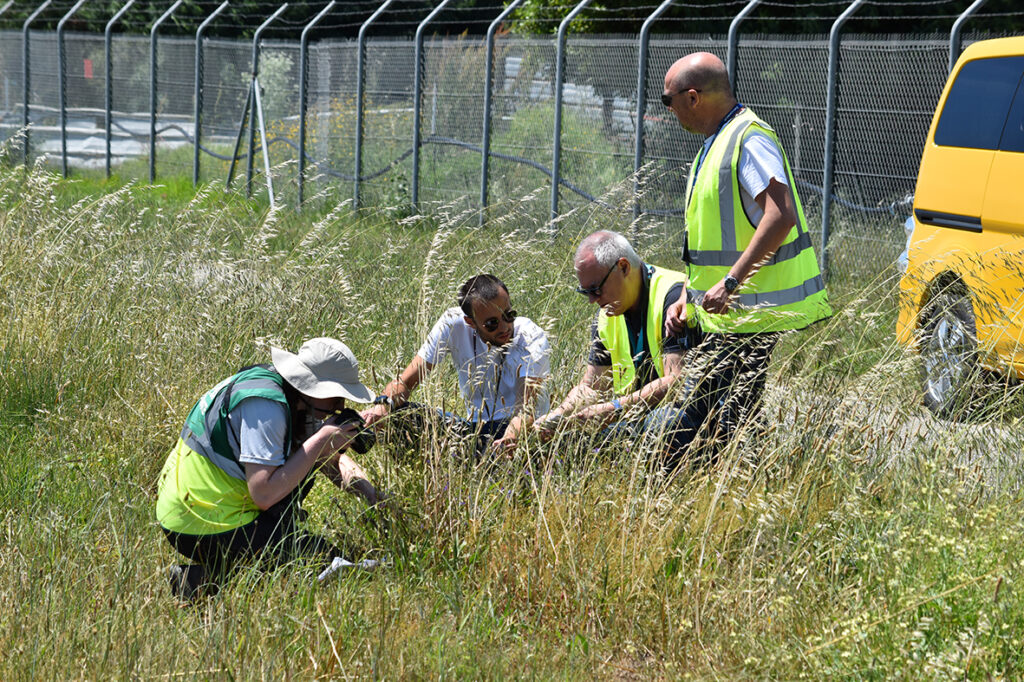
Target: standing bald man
x,y
751,267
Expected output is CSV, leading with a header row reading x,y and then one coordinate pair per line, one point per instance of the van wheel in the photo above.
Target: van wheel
x,y
949,354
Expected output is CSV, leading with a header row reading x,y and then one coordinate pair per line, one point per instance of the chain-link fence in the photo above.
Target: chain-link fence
x,y
225,77
887,91
331,119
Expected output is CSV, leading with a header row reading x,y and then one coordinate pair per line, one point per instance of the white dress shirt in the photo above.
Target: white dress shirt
x,y
490,376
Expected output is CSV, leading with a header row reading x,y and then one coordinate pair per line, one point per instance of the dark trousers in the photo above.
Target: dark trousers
x,y
271,538
410,420
667,429
722,389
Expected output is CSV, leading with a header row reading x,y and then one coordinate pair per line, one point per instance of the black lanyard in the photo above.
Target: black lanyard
x,y
706,147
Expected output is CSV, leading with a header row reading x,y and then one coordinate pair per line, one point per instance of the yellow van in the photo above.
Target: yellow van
x,y
962,295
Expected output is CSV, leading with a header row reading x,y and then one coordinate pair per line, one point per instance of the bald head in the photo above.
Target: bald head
x,y
703,78
701,70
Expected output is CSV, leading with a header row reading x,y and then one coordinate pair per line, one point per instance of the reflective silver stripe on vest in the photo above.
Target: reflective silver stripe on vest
x,y
729,253
726,210
729,258
773,298
229,466
202,443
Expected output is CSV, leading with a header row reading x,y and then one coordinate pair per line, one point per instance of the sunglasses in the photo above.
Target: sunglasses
x,y
666,98
491,323
596,290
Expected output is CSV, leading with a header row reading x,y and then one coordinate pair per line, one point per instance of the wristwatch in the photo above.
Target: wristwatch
x,y
383,399
730,283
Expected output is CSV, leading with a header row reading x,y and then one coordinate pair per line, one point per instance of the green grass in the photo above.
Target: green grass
x,y
855,538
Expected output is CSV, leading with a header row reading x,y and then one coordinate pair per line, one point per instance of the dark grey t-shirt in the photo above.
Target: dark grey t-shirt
x,y
636,322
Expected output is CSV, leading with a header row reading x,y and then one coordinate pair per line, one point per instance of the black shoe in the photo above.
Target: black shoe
x,y
188,582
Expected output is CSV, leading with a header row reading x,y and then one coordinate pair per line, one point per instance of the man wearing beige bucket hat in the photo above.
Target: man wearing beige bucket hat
x,y
231,487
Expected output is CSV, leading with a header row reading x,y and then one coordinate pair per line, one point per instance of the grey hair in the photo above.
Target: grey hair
x,y
608,247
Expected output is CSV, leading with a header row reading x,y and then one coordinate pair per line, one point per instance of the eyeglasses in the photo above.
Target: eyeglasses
x,y
596,291
491,323
321,413
666,99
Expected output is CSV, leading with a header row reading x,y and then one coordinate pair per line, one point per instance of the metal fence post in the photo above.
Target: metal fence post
x,y
417,87
734,40
62,68
7,6
641,99
255,72
830,128
303,68
360,85
108,69
556,148
485,145
26,76
198,112
238,138
152,87
955,44
263,138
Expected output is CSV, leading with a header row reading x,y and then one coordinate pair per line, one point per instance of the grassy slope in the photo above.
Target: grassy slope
x,y
837,543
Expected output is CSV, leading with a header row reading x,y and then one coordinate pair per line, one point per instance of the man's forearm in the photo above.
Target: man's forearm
x,y
397,391
581,395
345,473
527,406
766,242
653,393
649,395
516,426
402,386
588,391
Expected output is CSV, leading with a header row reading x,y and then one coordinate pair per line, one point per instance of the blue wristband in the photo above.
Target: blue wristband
x,y
616,404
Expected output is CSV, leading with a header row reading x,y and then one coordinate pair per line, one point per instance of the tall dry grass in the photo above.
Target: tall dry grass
x,y
854,536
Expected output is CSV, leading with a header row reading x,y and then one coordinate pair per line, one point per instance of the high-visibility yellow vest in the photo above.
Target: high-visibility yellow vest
x,y
202,488
787,292
196,497
615,337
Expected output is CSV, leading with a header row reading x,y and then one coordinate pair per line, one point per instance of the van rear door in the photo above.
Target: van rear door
x,y
956,163
1002,220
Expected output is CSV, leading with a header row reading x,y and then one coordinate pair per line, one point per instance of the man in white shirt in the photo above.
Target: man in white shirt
x,y
502,361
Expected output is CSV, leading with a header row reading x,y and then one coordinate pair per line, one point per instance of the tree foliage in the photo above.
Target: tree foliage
x,y
534,17
790,17
242,17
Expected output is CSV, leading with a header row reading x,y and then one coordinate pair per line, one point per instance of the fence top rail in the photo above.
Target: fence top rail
x,y
850,41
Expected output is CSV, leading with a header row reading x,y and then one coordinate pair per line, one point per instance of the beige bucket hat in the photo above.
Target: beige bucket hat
x,y
323,368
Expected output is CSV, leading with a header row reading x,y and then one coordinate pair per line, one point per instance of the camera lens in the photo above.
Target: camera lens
x,y
365,438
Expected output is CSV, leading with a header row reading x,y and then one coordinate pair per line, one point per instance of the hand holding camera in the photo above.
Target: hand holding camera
x,y
364,438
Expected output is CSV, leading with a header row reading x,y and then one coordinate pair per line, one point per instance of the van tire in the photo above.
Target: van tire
x,y
948,346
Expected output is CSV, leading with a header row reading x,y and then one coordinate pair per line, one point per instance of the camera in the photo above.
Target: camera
x,y
365,438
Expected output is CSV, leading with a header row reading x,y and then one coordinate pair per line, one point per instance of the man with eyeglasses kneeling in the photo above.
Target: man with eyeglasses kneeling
x,y
631,357
502,361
